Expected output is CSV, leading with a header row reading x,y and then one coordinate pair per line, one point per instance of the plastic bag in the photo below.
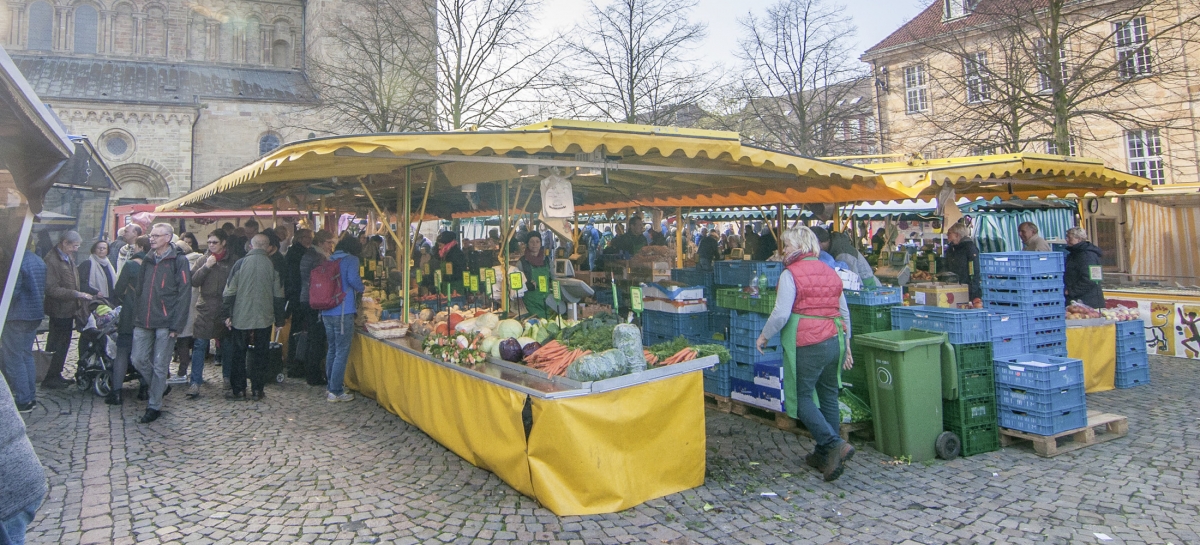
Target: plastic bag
x,y
607,364
627,338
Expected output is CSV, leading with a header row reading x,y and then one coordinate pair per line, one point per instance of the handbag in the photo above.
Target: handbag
x,y
41,361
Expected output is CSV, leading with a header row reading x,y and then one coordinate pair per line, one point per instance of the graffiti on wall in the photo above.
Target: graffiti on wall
x,y
1172,329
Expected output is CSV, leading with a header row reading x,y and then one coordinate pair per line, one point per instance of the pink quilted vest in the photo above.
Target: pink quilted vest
x,y
818,289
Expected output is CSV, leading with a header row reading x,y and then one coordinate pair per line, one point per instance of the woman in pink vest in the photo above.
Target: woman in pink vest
x,y
813,322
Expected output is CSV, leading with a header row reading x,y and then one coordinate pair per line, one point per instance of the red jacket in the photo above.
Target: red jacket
x,y
818,291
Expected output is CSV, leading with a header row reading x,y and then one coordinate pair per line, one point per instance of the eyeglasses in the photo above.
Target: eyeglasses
x,y
152,235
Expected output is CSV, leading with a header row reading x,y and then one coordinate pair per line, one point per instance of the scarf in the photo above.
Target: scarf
x,y
101,275
537,259
220,256
795,256
445,249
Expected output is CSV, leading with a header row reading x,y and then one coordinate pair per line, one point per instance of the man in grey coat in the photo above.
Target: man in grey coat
x,y
253,300
163,301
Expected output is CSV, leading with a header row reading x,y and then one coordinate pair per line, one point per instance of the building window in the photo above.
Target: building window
x,y
916,90
86,37
1133,48
41,27
1145,155
1052,147
116,144
267,143
957,8
975,77
983,150
1045,68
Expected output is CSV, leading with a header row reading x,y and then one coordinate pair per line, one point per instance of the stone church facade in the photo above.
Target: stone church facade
x,y
173,93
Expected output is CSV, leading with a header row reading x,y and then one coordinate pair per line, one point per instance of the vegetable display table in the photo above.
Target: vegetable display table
x,y
595,447
1096,345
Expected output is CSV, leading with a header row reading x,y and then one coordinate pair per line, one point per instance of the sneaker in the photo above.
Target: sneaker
x,y
150,416
330,397
835,461
345,397
235,396
26,407
177,379
193,391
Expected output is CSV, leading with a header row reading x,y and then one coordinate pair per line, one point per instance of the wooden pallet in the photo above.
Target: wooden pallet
x,y
1114,427
775,419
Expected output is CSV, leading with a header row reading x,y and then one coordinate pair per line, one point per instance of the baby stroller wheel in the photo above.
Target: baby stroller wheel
x,y
280,377
82,381
100,384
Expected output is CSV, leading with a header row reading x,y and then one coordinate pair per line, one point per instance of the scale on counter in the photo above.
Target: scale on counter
x,y
894,268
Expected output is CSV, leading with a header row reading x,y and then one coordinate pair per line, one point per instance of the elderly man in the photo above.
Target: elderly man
x,y
253,300
124,247
1030,239
64,301
160,313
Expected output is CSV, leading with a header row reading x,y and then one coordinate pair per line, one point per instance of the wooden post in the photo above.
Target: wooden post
x,y
781,221
679,237
405,251
505,210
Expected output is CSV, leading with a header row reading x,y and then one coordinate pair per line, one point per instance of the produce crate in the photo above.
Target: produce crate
x,y
1004,323
870,297
1057,332
1042,401
1051,341
963,326
1131,345
935,294
1132,377
749,320
716,379
740,273
973,357
1130,361
729,298
1038,371
718,321
739,335
1023,296
673,325
869,319
735,299
1049,423
977,384
1022,263
650,339
741,371
1022,281
977,439
748,355
1031,314
980,411
693,277
1009,345
1131,328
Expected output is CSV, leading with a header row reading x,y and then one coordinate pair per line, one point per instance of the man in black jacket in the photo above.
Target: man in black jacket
x,y
1083,274
298,310
160,313
962,259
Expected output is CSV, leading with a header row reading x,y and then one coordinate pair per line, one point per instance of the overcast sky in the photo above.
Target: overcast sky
x,y
875,19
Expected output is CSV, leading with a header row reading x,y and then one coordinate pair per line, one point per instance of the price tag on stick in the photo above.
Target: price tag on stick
x,y
542,287
556,288
466,278
437,278
514,281
491,275
474,283
635,299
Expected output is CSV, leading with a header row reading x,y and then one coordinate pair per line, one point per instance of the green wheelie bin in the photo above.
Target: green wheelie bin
x,y
904,375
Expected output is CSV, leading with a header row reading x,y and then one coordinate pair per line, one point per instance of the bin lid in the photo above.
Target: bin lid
x,y
899,340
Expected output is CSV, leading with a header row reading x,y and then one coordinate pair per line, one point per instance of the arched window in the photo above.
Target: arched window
x,y
86,22
281,54
41,27
268,143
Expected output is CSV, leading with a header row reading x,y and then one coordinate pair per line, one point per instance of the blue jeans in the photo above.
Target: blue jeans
x,y
16,354
152,349
338,332
817,368
12,529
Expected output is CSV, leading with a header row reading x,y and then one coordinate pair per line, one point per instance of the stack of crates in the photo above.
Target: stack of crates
x,y
1040,394
660,327
1133,365
972,417
718,319
1029,284
1007,331
870,312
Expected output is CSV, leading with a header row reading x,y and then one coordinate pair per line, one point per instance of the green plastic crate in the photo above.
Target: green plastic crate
x,y
969,412
870,319
973,357
733,298
977,384
978,439
729,298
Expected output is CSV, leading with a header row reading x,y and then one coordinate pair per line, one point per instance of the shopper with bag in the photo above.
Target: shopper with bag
x,y
253,300
209,276
64,304
312,344
20,330
337,306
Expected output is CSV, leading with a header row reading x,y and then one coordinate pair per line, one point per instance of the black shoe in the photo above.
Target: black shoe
x,y
150,416
257,396
56,383
143,392
113,398
167,391
26,407
235,396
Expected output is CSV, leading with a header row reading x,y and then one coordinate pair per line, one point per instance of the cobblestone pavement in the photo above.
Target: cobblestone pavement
x,y
295,468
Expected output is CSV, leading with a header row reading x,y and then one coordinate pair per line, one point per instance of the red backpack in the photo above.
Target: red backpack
x,y
325,285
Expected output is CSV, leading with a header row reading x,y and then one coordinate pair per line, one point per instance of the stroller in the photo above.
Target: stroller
x,y
98,349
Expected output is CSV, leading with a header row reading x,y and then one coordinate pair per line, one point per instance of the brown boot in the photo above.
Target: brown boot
x,y
835,461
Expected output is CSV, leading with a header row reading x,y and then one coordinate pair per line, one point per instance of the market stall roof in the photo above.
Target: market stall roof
x,y
33,145
634,164
914,210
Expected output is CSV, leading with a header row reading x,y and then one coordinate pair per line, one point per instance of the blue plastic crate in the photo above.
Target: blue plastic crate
x,y
1047,334
1049,348
1131,328
963,326
1056,308
693,277
1022,282
1041,295
1132,345
1130,361
1038,371
673,325
1045,423
1030,399
871,297
718,321
1004,324
747,320
740,273
1132,377
1022,263
747,337
746,355
716,379
1008,345
741,371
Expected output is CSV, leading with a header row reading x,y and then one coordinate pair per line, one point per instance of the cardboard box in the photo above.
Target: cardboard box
x,y
939,295
769,375
691,306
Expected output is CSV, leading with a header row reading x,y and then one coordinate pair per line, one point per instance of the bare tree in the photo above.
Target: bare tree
x,y
632,62
801,86
1033,73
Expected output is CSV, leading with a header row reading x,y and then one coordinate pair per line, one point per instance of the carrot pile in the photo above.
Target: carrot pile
x,y
651,359
553,358
687,354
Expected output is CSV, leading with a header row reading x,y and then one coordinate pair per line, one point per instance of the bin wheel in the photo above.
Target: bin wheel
x,y
100,384
947,446
280,377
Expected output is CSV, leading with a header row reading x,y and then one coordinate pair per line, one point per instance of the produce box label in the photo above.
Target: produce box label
x,y
635,299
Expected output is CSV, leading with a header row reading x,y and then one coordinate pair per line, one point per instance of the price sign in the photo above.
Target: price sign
x,y
556,288
420,277
449,268
542,287
425,268
474,283
437,278
1095,273
491,275
635,299
466,278
514,281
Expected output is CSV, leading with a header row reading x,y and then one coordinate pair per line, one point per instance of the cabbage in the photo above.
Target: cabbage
x,y
488,342
489,320
530,348
510,350
524,340
509,329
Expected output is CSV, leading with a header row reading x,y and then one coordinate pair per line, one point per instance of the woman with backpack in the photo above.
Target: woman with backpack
x,y
338,316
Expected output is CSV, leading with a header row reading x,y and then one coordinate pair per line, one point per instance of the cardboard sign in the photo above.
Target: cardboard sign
x,y
635,299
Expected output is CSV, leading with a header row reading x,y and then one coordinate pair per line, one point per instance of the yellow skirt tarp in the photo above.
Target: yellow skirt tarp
x,y
1097,347
599,453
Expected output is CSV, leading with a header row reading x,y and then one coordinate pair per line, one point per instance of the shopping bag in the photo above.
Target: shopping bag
x,y
41,361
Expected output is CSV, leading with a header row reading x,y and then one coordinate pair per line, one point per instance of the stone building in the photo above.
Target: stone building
x,y
174,93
